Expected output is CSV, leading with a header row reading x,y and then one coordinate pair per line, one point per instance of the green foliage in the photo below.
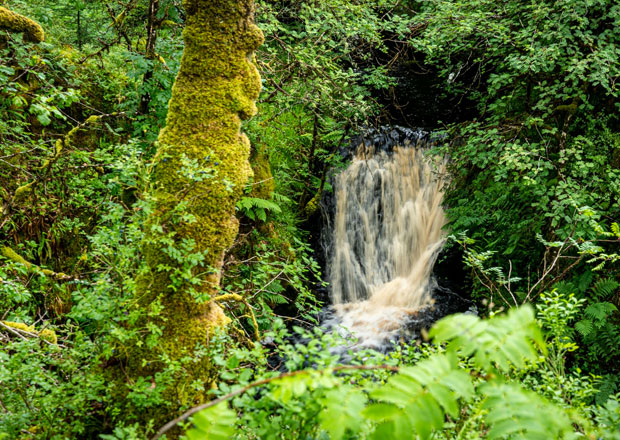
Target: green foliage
x,y
599,326
541,158
522,414
421,398
503,342
533,203
608,417
320,64
257,209
418,398
215,423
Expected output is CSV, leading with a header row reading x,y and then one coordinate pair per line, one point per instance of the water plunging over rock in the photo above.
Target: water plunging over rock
x,y
385,236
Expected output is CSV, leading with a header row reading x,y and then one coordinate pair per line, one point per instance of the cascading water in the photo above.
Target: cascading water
x,y
385,238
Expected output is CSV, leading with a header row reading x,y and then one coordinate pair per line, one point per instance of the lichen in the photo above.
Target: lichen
x,y
216,88
11,21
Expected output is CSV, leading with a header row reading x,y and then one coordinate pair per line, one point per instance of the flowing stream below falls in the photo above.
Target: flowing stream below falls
x,y
385,233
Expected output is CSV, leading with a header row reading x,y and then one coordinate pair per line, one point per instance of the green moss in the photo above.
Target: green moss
x,y
313,205
18,23
22,192
19,326
569,108
215,89
49,336
46,334
263,184
9,253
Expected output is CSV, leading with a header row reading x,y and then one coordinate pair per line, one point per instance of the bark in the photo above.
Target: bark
x,y
18,23
216,88
152,28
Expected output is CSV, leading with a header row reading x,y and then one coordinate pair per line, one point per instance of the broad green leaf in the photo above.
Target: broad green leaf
x,y
342,411
215,423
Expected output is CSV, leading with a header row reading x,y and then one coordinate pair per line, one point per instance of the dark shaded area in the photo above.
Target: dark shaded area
x,y
419,97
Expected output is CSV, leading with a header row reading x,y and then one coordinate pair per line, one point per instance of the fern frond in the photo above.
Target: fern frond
x,y
418,397
280,198
605,288
609,340
274,298
522,414
565,288
584,327
341,411
502,342
254,202
254,207
599,311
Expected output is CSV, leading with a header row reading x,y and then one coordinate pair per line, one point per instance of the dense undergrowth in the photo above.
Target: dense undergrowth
x,y
533,205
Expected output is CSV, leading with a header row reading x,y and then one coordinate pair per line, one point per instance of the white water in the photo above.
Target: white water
x,y
386,236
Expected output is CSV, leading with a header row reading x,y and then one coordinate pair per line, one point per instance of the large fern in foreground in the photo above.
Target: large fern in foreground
x,y
600,327
470,376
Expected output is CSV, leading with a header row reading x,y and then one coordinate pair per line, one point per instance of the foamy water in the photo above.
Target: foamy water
x,y
386,237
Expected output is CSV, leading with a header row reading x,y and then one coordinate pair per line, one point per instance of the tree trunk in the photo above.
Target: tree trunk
x,y
18,23
79,28
152,28
200,170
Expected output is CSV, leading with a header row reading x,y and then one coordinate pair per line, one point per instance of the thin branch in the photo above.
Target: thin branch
x,y
239,298
168,426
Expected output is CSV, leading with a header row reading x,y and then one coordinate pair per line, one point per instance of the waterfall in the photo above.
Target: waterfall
x,y
385,238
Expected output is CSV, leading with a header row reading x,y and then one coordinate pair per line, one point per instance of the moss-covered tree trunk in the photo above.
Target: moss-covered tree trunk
x,y
11,21
200,169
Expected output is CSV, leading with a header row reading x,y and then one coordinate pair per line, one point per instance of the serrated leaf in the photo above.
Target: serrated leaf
x,y
215,423
381,411
513,410
342,411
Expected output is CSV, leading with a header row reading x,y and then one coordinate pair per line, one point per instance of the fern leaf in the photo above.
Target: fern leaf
x,y
584,327
215,423
599,311
605,288
585,280
423,394
274,298
521,414
254,207
502,342
342,411
565,288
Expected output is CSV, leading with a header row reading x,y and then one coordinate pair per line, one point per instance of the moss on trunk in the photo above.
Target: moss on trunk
x,y
263,185
18,23
215,89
